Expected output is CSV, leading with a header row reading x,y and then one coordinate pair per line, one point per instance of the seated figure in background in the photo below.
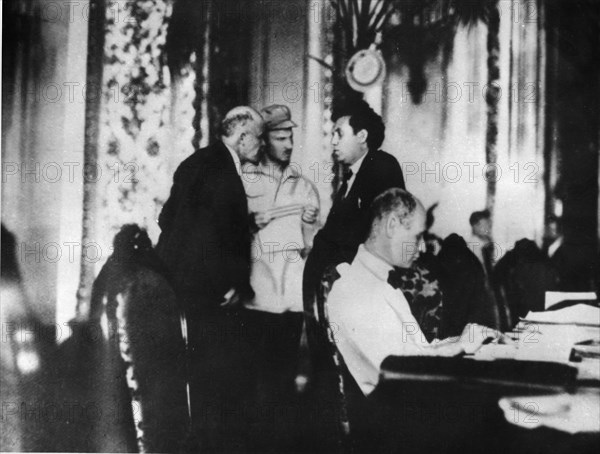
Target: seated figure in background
x,y
522,277
128,359
481,242
466,295
372,317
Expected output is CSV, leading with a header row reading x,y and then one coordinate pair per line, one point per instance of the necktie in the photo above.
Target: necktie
x,y
488,251
344,187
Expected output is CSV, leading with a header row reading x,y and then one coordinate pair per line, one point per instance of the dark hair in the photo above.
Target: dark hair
x,y
477,216
396,200
131,240
132,251
363,117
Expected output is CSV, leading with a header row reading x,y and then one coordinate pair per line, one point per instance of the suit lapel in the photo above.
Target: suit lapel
x,y
227,165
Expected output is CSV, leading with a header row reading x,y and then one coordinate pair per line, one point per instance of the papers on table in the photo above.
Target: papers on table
x,y
549,352
580,314
553,298
548,336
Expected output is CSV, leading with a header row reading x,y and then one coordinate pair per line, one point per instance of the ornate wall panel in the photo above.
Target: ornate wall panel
x,y
144,126
137,120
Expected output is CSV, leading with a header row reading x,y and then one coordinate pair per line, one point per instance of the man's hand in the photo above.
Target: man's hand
x,y
309,214
262,219
474,336
231,299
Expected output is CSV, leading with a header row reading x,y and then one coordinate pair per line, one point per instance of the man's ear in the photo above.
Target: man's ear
x,y
241,138
391,224
362,135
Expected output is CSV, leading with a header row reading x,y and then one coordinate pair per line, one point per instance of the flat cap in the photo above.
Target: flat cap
x,y
277,116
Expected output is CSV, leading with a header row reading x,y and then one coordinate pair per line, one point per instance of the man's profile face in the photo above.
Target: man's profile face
x,y
347,146
250,143
407,242
280,144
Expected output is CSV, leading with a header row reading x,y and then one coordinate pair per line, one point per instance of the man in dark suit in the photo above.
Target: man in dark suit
x,y
357,135
205,243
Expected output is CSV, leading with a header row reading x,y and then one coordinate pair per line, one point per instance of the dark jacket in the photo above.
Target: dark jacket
x,y
522,278
466,298
205,239
348,222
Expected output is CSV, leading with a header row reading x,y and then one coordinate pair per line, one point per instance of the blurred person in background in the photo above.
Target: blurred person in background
x,y
481,242
21,355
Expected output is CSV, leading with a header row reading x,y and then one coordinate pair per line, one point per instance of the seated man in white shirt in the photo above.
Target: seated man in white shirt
x,y
372,319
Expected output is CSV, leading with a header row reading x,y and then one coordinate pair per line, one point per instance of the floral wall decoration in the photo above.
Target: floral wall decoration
x,y
145,119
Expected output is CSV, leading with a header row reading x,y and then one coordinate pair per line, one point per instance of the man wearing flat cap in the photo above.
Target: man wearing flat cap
x,y
284,206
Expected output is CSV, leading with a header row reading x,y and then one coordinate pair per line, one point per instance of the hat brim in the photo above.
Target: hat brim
x,y
287,124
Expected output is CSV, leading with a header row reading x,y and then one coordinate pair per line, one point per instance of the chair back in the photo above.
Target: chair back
x,y
145,329
521,279
330,381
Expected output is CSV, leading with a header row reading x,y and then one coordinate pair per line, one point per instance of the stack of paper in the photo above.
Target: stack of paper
x,y
580,314
548,336
554,298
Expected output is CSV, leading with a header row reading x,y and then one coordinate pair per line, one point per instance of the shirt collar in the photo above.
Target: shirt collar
x,y
356,166
376,265
236,160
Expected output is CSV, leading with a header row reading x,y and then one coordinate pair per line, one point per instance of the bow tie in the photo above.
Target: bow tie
x,y
396,278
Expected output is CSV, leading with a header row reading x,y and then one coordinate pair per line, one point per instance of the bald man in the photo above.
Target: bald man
x,y
371,314
205,243
205,238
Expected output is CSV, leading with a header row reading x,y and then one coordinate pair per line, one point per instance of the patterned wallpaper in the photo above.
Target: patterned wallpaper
x,y
145,119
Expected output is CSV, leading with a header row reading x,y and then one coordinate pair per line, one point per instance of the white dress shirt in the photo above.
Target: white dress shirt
x,y
370,319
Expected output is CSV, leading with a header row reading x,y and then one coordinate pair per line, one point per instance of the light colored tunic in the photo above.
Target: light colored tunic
x,y
278,250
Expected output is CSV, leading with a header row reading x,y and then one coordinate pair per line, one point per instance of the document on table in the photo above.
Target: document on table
x,y
580,314
553,298
548,336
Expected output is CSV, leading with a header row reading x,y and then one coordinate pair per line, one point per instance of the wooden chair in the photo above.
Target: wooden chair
x,y
145,329
329,382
